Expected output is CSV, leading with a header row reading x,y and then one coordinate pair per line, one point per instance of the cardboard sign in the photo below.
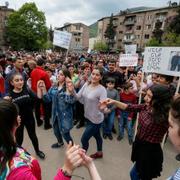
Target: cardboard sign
x,y
130,49
62,39
127,60
162,60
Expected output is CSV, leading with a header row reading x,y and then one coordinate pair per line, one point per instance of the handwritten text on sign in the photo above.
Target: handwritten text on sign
x,y
128,60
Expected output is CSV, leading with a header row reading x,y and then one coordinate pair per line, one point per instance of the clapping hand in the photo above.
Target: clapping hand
x,y
69,86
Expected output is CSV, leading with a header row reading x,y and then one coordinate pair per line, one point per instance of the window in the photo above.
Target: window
x,y
149,17
77,39
120,40
78,27
138,28
121,23
137,36
146,36
148,26
120,32
139,18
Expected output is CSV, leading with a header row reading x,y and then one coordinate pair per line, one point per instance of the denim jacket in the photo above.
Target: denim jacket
x,y
62,107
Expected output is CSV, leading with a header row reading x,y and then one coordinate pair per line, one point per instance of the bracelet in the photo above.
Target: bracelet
x,y
65,173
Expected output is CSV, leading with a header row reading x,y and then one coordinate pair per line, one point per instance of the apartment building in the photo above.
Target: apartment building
x,y
135,25
80,35
4,13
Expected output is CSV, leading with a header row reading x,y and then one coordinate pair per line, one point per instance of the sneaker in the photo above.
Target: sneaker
x,y
79,125
40,154
178,157
104,136
114,130
57,145
46,127
119,138
97,155
130,141
110,137
39,123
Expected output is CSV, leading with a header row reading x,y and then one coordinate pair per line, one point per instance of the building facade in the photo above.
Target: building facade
x,y
4,13
136,25
80,35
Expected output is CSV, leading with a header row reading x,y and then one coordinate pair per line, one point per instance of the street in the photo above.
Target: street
x,y
115,164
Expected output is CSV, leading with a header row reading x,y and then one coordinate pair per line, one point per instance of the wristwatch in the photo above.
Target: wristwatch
x,y
65,173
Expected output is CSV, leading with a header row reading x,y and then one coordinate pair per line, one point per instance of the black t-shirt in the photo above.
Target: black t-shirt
x,y
24,101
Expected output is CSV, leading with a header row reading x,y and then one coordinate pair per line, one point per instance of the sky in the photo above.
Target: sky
x,y
58,12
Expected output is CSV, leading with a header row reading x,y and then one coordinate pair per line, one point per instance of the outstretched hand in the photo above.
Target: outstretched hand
x,y
72,158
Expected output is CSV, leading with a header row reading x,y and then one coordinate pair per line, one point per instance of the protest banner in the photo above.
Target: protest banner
x,y
127,60
62,39
130,49
162,60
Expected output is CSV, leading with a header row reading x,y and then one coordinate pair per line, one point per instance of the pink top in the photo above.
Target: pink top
x,y
34,173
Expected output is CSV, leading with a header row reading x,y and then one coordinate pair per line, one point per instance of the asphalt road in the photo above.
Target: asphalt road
x,y
115,164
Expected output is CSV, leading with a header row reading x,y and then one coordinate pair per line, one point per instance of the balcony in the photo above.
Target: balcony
x,y
129,22
131,31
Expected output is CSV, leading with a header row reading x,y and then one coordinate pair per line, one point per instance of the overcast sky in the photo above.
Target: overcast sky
x,y
58,12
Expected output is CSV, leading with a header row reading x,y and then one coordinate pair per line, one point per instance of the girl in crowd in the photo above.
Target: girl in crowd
x,y
62,107
17,164
90,95
174,130
153,124
24,98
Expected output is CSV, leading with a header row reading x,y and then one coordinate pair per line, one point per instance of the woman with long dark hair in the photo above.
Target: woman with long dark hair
x,y
153,124
24,98
17,164
90,95
62,107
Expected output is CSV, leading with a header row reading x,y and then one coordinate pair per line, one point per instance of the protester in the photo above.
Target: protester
x,y
62,107
18,67
90,94
110,115
126,118
153,124
37,74
174,130
17,164
24,99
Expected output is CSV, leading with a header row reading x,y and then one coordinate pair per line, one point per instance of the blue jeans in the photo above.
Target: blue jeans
x,y
92,130
123,123
133,173
58,134
108,123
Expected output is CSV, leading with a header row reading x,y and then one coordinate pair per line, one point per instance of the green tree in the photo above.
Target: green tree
x,y
26,28
153,42
110,33
100,46
174,25
158,32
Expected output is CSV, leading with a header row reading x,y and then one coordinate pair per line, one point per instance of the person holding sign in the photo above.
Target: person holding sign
x,y
153,124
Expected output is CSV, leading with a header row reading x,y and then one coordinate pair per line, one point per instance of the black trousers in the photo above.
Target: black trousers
x,y
79,113
47,112
30,126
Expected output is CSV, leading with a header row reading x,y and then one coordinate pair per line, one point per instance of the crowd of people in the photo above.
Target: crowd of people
x,y
83,90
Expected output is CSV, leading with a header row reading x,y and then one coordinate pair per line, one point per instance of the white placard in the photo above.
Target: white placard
x,y
162,60
128,60
89,51
130,49
62,39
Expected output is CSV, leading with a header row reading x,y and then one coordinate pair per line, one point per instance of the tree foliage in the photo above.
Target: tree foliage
x,y
174,26
26,28
100,46
110,32
158,32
